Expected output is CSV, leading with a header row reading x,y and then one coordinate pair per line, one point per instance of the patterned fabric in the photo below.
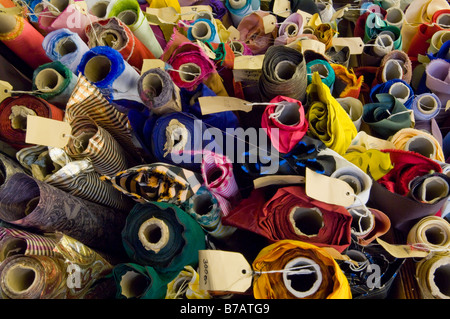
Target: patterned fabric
x,y
35,244
157,182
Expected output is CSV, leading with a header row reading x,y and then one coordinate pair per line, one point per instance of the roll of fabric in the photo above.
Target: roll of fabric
x,y
33,204
373,225
157,182
327,120
66,47
431,232
87,100
114,33
67,16
8,167
134,281
325,33
395,16
217,173
283,73
398,88
290,29
186,286
97,8
387,116
56,82
291,214
13,114
130,13
325,71
432,276
363,142
190,66
90,141
372,161
78,178
437,40
414,140
346,83
395,65
253,34
375,49
430,188
106,69
23,39
203,30
287,116
33,277
339,55
162,236
354,109
158,92
375,25
239,9
318,276
437,75
204,207
21,242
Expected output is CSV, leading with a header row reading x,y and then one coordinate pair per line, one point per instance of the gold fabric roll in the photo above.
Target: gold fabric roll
x,y
433,276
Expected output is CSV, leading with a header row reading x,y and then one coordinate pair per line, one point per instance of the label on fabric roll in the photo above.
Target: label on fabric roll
x,y
224,271
189,12
152,64
282,8
355,44
248,67
314,45
329,190
164,15
447,106
278,180
216,104
305,15
5,90
235,35
402,251
48,132
270,22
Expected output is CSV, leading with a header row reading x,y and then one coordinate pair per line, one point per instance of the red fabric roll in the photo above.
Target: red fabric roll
x,y
130,47
24,40
275,220
16,137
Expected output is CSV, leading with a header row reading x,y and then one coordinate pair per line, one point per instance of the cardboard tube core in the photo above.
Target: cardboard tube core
x,y
290,114
285,70
439,278
49,79
66,46
201,30
427,104
291,29
97,68
18,117
153,234
306,221
58,6
400,91
392,70
189,72
436,236
7,23
422,145
19,278
203,204
444,20
152,84
99,9
237,4
112,39
129,17
362,223
133,284
394,15
306,281
433,189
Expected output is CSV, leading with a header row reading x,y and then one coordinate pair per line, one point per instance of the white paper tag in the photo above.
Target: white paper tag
x,y
148,64
282,8
189,12
270,22
224,271
355,44
48,132
402,251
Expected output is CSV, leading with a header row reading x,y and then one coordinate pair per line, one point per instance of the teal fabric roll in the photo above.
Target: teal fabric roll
x,y
162,236
325,70
134,281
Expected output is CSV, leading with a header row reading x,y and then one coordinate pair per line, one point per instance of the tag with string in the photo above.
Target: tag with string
x,y
216,104
282,8
48,132
5,90
355,44
235,34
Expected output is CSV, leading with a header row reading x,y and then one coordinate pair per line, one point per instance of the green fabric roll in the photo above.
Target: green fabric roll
x,y
162,236
58,93
139,282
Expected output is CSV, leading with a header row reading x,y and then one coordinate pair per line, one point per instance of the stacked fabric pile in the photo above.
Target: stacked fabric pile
x,y
306,139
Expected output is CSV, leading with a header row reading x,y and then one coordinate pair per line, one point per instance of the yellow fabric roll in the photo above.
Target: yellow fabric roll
x,y
223,32
186,284
327,118
401,138
374,162
167,29
419,11
433,276
275,257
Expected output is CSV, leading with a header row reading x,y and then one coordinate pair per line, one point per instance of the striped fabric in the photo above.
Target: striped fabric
x,y
36,244
157,182
90,141
217,173
87,100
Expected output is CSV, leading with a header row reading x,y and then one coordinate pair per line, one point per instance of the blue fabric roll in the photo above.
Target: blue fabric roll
x,y
443,53
214,37
117,81
194,140
190,104
66,47
419,114
238,14
331,75
31,4
385,87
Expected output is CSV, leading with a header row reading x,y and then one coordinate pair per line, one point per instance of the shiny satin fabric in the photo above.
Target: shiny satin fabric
x,y
327,281
23,39
327,120
60,81
114,33
386,116
13,112
157,182
186,286
283,73
65,46
286,117
252,32
291,214
162,236
32,204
